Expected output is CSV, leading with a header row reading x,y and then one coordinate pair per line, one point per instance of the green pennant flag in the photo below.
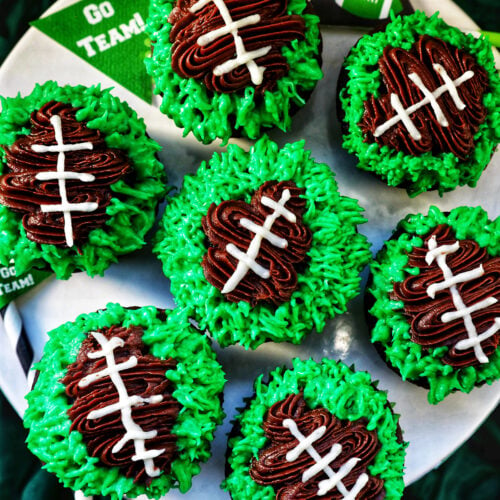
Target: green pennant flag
x,y
12,286
109,35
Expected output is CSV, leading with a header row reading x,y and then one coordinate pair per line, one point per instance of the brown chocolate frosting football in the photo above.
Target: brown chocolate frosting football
x,y
265,26
396,65
425,314
147,380
21,191
222,225
273,468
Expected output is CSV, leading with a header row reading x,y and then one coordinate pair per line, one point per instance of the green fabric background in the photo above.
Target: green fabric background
x,y
471,473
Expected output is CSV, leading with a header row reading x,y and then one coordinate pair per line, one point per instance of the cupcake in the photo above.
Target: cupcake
x,y
319,430
226,69
79,180
260,245
434,300
121,407
420,104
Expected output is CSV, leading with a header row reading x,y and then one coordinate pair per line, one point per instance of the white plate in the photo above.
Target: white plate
x,y
434,432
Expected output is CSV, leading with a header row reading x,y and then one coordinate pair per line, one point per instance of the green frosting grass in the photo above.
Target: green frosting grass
x,y
392,329
337,255
198,384
210,115
332,385
445,171
132,209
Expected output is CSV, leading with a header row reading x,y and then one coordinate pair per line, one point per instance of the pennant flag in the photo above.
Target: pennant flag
x,y
109,35
12,286
371,9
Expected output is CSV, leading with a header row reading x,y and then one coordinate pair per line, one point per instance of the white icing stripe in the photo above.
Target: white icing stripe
x,y
453,280
62,148
435,250
243,57
199,5
49,176
147,455
438,112
323,463
133,432
304,442
483,304
468,343
279,207
130,401
256,72
94,377
225,30
88,206
403,115
264,233
326,485
246,261
62,176
450,282
450,85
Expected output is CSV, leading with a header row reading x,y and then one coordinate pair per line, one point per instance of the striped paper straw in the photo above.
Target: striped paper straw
x,y
16,334
20,360
16,358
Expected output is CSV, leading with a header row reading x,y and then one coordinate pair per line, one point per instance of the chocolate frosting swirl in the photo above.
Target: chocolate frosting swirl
x,y
146,379
272,468
395,65
424,313
23,193
222,226
275,29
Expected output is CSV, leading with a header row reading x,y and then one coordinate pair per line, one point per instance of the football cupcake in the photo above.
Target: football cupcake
x,y
260,245
434,299
420,103
229,68
121,407
79,180
319,430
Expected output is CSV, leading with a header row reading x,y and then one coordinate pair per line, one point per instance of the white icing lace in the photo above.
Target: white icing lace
x,y
62,176
246,261
133,432
323,463
463,312
403,115
243,57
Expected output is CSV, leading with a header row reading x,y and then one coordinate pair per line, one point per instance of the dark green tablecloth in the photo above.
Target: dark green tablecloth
x,y
471,473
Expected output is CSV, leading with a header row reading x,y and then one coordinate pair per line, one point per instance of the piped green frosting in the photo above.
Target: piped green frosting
x,y
392,329
210,115
444,171
338,252
133,207
198,382
347,394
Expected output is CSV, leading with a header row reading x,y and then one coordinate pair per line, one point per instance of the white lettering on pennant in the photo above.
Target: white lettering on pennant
x,y
94,45
94,14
